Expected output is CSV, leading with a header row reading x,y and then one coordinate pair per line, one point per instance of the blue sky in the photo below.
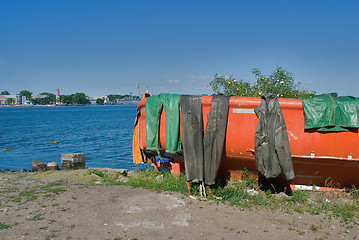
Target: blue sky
x,y
105,47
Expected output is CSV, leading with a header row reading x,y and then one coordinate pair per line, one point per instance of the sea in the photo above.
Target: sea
x,y
102,132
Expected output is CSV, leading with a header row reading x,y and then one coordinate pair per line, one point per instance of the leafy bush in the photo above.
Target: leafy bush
x,y
280,82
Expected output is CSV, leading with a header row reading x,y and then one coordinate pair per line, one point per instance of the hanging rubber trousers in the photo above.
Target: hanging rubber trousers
x,y
214,137
203,153
154,106
192,136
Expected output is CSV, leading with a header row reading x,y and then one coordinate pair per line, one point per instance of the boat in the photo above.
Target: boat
x,y
327,159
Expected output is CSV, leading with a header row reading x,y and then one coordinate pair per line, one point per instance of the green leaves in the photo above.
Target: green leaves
x,y
280,82
26,93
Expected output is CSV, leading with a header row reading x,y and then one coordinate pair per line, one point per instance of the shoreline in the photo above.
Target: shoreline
x,y
70,105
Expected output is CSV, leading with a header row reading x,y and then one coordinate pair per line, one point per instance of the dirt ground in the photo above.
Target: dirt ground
x,y
59,206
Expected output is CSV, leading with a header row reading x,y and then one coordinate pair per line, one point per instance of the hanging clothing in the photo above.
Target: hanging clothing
x,y
203,152
154,106
272,151
214,137
192,136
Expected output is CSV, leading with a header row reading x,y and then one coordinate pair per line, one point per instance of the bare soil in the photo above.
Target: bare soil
x,y
57,205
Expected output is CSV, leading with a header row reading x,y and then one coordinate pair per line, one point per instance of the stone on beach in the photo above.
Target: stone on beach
x,y
72,160
38,165
53,166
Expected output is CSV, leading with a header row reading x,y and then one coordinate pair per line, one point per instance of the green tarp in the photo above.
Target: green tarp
x,y
154,105
327,113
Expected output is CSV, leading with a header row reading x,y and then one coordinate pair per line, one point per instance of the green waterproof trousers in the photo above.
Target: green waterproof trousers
x,y
154,106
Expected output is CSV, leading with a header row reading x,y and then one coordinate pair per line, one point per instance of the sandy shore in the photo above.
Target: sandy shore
x,y
58,205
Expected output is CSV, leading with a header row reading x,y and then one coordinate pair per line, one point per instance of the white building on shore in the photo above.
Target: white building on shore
x,y
16,99
94,99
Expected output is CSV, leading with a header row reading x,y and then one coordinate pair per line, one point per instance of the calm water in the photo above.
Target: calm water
x,y
102,133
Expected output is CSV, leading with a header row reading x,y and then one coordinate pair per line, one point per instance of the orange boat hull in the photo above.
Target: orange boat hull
x,y
319,158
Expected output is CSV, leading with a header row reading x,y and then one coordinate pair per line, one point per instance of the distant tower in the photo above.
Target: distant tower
x,y
57,97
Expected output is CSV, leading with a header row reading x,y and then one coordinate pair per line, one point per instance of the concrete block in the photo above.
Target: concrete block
x,y
53,166
72,160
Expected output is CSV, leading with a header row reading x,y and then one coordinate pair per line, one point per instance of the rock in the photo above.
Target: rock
x,y
38,165
4,209
159,178
53,166
252,192
124,173
95,176
23,170
72,161
282,195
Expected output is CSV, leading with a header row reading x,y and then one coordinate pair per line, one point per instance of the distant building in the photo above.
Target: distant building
x,y
41,97
16,99
3,99
94,99
23,99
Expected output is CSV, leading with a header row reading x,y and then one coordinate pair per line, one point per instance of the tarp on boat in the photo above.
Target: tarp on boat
x,y
328,113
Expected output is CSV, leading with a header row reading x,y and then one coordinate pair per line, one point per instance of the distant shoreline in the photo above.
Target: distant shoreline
x,y
10,106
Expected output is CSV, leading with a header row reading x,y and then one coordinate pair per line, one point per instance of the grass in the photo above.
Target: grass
x,y
33,193
4,226
238,193
9,190
37,217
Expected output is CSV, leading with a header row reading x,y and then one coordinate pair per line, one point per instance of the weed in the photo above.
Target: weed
x,y
299,196
54,184
57,190
29,194
52,236
298,209
355,193
64,209
313,228
345,212
147,179
4,226
37,217
8,190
